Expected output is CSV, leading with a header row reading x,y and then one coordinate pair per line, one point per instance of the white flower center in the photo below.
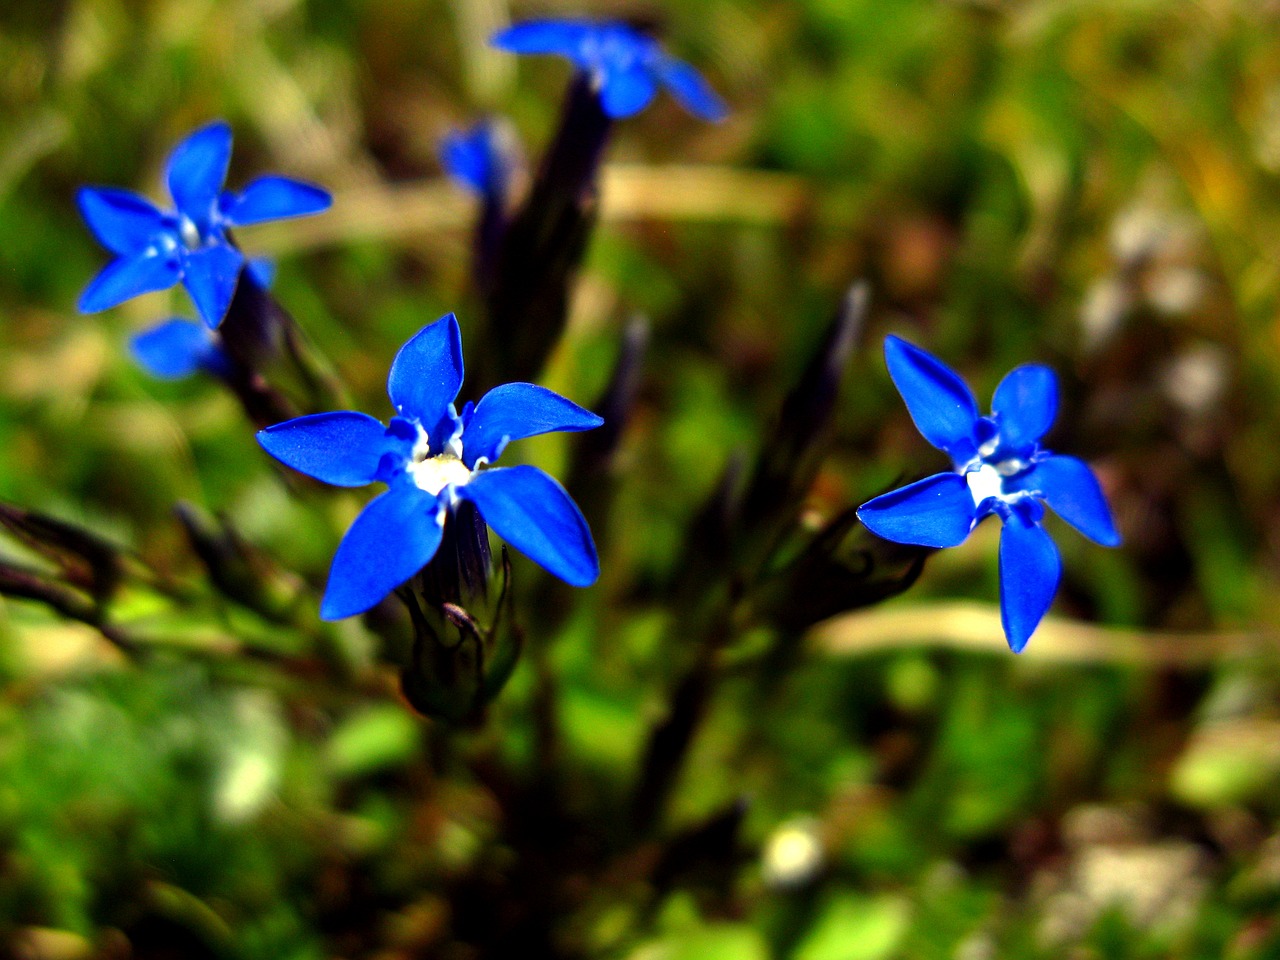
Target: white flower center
x,y
435,473
190,233
988,480
985,482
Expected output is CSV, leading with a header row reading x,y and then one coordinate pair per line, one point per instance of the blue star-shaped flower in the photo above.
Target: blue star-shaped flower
x,y
625,66
431,457
999,468
157,248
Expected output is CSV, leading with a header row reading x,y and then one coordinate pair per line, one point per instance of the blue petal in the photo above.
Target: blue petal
x,y
694,93
274,198
1030,569
393,538
532,512
937,511
124,222
128,277
941,405
210,275
343,448
614,42
514,411
263,271
1070,488
563,37
426,374
479,159
465,160
1025,403
626,90
175,349
197,168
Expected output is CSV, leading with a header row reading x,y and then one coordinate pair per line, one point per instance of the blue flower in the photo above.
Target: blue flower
x,y
157,248
431,457
482,159
625,66
999,468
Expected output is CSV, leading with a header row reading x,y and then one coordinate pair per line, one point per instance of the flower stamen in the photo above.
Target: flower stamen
x,y
435,473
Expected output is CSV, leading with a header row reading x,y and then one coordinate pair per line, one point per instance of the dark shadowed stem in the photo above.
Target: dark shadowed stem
x,y
487,245
26,585
406,595
669,742
251,578
235,569
250,340
85,559
546,719
326,391
591,478
29,585
593,466
702,595
749,515
708,854
794,450
825,585
256,335
90,570
262,404
543,246
572,163
740,535
253,330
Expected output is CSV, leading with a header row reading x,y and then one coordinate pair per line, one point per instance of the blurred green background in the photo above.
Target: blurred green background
x,y
1091,184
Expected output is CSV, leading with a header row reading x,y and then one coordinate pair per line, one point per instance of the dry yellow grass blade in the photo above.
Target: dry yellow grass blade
x,y
976,627
421,209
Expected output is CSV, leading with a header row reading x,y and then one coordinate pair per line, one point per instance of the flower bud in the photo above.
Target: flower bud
x,y
460,662
84,560
842,568
237,569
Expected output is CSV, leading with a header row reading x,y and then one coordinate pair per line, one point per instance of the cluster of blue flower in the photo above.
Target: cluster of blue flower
x,y
434,457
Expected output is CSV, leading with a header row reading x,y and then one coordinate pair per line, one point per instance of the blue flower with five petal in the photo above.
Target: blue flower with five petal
x,y
625,66
157,248
999,468
431,457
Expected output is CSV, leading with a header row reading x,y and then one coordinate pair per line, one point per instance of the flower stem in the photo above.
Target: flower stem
x,y
543,246
671,739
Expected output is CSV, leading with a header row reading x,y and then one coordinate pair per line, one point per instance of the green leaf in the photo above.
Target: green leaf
x,y
857,928
373,739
